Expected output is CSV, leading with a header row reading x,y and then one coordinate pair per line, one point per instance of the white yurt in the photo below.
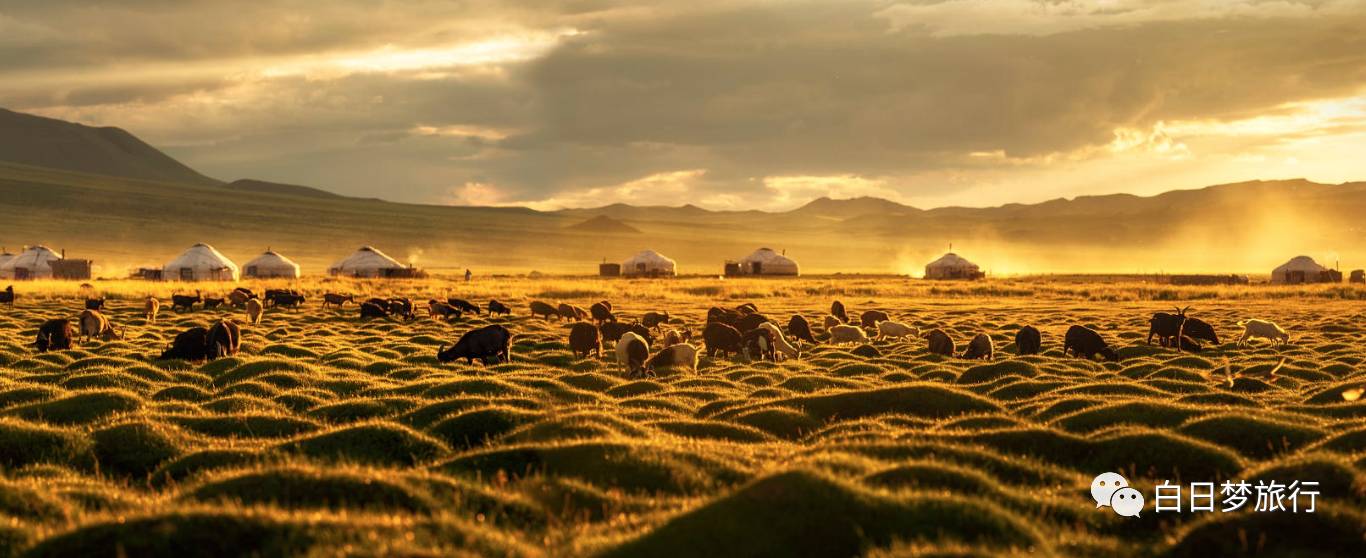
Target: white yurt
x,y
5,257
648,263
35,262
952,266
765,261
366,262
271,265
1300,269
200,263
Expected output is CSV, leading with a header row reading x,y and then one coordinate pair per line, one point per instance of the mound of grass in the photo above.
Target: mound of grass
x,y
27,394
134,449
803,513
1163,455
190,464
1252,436
990,372
378,443
474,428
249,370
1350,441
784,423
634,467
23,501
1330,531
636,388
920,400
1143,413
351,411
713,430
312,487
182,393
80,408
245,425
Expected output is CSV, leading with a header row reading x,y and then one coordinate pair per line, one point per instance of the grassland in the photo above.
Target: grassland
x,y
332,436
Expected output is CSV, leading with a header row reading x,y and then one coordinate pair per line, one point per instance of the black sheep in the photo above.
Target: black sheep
x,y
799,328
654,319
211,303
464,305
750,322
539,308
939,342
571,312
185,301
372,310
583,339
757,344
496,307
191,344
55,335
837,310
224,340
722,315
488,343
870,318
602,312
1027,341
747,308
1198,329
401,307
1166,326
721,338
7,295
1087,343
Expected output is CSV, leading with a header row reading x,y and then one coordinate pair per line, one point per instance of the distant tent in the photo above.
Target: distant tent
x,y
1300,269
953,266
368,262
648,263
200,263
765,261
35,262
5,258
271,265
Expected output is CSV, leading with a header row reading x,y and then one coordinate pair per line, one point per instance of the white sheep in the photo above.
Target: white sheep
x,y
843,333
779,341
1263,329
624,351
895,329
674,357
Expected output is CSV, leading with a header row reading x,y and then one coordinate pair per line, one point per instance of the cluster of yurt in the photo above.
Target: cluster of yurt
x,y
35,262
649,263
763,261
953,266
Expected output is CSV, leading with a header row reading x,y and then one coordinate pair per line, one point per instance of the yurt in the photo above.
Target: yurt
x,y
200,263
952,266
271,265
368,262
648,263
1300,269
765,261
5,257
35,262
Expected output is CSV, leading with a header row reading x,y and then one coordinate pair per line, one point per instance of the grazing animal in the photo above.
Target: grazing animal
x,y
779,342
750,322
583,339
94,324
980,347
1264,329
845,333
496,307
185,302
254,310
211,303
401,307
654,319
870,318
723,315
488,343
1027,341
1200,330
799,328
571,312
289,300
758,344
191,344
1166,326
602,312
274,296
441,310
682,356
831,321
632,352
747,308
539,308
1084,342
224,340
94,304
239,296
7,295
721,338
463,305
337,300
837,310
150,309
372,310
939,343
888,328
1187,343
673,337
55,335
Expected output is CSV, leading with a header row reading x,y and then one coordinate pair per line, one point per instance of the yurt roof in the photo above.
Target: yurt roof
x,y
766,255
368,256
202,255
951,260
1301,263
649,256
31,257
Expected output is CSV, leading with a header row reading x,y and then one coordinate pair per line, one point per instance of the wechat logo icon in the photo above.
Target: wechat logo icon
x,y
1111,489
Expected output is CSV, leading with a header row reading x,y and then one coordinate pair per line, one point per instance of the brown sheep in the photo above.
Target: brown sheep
x,y
980,347
254,310
151,309
539,308
583,339
939,342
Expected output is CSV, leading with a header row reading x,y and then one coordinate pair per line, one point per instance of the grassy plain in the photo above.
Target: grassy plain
x,y
333,436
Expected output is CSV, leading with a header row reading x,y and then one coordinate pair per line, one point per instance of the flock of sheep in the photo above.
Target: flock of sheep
x,y
739,331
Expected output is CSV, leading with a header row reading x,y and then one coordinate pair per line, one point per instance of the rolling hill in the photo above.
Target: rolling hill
x,y
125,212
46,142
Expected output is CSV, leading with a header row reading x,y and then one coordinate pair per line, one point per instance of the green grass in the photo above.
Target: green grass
x,y
331,436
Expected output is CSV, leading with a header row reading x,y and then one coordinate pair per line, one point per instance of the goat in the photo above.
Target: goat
x,y
1027,341
757,344
799,328
632,352
844,333
401,307
654,319
1199,329
1264,329
337,300
681,356
1166,326
7,295
94,324
289,299
372,310
837,310
496,307
602,312
888,328
571,312
463,305
583,339
539,308
870,318
191,344
488,343
721,338
1084,342
185,301
980,347
211,303
254,309
441,310
224,340
779,342
239,296
939,343
55,335
150,309
831,321
747,308
750,322
723,315
673,337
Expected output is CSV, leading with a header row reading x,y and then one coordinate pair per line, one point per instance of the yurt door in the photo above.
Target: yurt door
x,y
187,274
21,273
756,267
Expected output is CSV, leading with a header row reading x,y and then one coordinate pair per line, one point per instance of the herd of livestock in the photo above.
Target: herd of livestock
x,y
739,331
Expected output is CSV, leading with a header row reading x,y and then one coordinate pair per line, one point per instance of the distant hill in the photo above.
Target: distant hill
x,y
46,142
603,224
261,186
853,207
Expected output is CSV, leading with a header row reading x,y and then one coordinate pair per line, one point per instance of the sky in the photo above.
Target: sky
x,y
733,104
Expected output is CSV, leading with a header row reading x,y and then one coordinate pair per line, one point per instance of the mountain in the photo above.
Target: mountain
x,y
47,142
263,187
852,207
603,224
